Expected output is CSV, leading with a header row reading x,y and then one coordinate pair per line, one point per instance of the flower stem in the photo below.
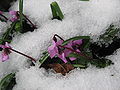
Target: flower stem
x,y
23,54
34,26
4,17
58,37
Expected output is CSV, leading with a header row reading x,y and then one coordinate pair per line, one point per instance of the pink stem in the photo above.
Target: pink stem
x,y
23,54
58,37
29,21
4,17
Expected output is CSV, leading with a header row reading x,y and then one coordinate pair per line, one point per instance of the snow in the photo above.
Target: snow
x,y
3,26
89,79
81,18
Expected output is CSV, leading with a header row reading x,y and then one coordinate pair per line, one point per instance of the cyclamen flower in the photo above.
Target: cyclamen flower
x,y
72,45
1,12
54,50
5,53
14,16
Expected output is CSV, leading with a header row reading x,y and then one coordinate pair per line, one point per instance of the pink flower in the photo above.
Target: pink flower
x,y
63,52
12,12
54,50
72,45
5,53
1,12
77,42
14,16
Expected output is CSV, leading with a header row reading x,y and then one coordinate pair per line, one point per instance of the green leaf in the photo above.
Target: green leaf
x,y
101,63
74,55
82,60
8,82
76,38
43,58
7,34
79,66
86,44
18,26
21,11
56,11
110,33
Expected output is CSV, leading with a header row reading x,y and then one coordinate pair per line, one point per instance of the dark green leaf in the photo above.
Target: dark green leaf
x,y
7,35
110,33
18,26
86,44
80,60
8,82
56,11
43,58
21,11
101,63
79,66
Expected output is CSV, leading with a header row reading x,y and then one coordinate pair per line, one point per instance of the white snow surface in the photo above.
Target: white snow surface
x,y
80,18
3,27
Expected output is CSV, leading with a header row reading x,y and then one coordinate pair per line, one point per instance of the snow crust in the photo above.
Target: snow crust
x,y
81,18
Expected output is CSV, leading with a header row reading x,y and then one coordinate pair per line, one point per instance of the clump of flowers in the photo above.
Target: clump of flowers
x,y
57,49
74,51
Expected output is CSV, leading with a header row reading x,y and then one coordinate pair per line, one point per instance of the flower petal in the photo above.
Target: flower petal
x,y
7,45
53,50
79,42
59,42
62,56
13,19
2,46
12,12
4,57
1,12
72,58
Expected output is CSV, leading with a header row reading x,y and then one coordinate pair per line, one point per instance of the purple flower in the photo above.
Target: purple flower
x,y
63,52
62,56
54,50
5,53
14,16
72,45
1,12
77,42
12,12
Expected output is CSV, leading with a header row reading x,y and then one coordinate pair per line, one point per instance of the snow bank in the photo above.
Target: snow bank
x,y
81,18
